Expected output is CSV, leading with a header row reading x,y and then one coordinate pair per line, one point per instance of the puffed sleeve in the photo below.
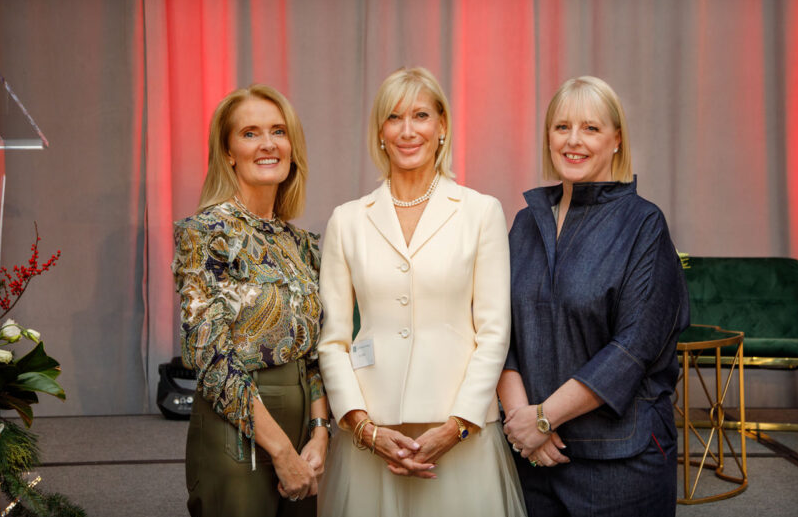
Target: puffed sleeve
x,y
210,301
651,311
337,295
491,313
313,259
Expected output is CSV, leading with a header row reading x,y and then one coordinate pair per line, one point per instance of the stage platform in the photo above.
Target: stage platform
x,y
132,466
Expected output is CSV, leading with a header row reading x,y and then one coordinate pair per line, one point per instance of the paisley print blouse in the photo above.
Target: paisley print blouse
x,y
249,300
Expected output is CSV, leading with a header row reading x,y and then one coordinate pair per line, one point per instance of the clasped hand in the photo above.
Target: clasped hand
x,y
298,473
408,457
521,429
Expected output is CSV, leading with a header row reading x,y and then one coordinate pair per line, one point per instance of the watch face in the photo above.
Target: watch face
x,y
543,425
463,434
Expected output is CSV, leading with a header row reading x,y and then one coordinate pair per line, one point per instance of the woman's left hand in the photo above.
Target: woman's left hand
x,y
549,454
315,451
521,429
437,441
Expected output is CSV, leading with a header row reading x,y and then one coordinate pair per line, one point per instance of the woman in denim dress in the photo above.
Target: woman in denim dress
x,y
598,301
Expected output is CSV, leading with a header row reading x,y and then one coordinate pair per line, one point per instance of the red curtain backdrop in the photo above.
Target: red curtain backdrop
x,y
691,124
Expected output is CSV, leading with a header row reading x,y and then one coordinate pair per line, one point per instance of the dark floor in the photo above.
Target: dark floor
x,y
124,466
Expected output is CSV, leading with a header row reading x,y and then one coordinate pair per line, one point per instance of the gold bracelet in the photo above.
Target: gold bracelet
x,y
374,438
354,431
357,434
360,445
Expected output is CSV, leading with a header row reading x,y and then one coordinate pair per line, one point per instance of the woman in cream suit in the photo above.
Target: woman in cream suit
x,y
415,391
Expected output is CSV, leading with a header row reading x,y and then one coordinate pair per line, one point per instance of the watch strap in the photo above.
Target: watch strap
x,y
462,429
319,422
544,426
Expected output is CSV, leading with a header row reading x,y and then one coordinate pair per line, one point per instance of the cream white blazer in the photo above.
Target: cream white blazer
x,y
437,311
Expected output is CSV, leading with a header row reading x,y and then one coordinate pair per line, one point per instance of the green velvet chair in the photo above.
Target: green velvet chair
x,y
758,296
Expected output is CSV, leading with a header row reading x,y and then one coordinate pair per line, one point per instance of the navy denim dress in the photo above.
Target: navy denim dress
x,y
603,304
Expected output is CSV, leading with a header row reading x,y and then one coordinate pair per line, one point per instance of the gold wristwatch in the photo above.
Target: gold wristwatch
x,y
544,426
462,429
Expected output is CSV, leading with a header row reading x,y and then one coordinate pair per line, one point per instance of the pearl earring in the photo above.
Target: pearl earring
x,y
442,139
382,144
616,150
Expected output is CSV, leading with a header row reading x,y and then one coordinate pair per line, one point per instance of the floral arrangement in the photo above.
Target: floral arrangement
x,y
21,378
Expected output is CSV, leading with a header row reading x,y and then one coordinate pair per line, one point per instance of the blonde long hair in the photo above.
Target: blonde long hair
x,y
221,183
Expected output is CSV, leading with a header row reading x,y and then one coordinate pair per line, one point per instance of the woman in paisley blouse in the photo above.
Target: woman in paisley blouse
x,y
250,317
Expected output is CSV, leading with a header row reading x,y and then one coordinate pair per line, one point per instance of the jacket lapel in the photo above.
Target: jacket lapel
x,y
380,211
443,203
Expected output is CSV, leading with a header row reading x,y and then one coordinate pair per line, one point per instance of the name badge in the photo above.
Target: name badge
x,y
362,353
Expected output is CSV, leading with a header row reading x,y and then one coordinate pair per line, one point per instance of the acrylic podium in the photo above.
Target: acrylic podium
x,y
18,132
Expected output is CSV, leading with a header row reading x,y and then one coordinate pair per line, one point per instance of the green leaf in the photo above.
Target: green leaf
x,y
23,408
8,373
38,381
36,360
52,372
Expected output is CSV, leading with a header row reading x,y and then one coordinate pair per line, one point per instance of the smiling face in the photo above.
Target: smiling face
x,y
259,149
411,135
582,141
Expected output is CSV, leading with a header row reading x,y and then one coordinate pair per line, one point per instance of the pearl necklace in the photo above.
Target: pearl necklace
x,y
418,200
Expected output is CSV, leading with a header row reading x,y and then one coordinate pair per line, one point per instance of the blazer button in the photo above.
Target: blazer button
x,y
403,299
405,267
404,332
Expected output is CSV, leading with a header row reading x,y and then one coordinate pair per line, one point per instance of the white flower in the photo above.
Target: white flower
x,y
6,356
33,335
10,331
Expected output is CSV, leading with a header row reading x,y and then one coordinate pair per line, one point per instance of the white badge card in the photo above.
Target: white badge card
x,y
362,353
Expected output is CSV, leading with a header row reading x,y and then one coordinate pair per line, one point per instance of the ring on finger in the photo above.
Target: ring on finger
x,y
293,498
515,448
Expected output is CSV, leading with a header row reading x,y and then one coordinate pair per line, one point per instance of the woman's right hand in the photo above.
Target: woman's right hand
x,y
297,478
392,446
399,451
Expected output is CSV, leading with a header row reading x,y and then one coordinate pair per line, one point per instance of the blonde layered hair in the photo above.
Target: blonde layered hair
x,y
399,91
580,95
221,183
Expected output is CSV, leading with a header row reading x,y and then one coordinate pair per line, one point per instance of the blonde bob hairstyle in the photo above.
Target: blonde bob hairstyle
x,y
221,183
584,95
398,92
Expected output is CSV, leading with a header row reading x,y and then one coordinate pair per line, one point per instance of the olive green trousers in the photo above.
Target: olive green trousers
x,y
221,482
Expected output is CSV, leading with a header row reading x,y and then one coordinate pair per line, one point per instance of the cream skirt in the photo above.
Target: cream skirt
x,y
476,478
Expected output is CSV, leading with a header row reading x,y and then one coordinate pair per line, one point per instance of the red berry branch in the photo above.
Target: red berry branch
x,y
12,286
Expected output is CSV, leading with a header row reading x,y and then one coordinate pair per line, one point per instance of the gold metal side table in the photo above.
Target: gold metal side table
x,y
694,341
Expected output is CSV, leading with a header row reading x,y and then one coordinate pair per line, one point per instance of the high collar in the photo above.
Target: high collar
x,y
583,194
267,225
